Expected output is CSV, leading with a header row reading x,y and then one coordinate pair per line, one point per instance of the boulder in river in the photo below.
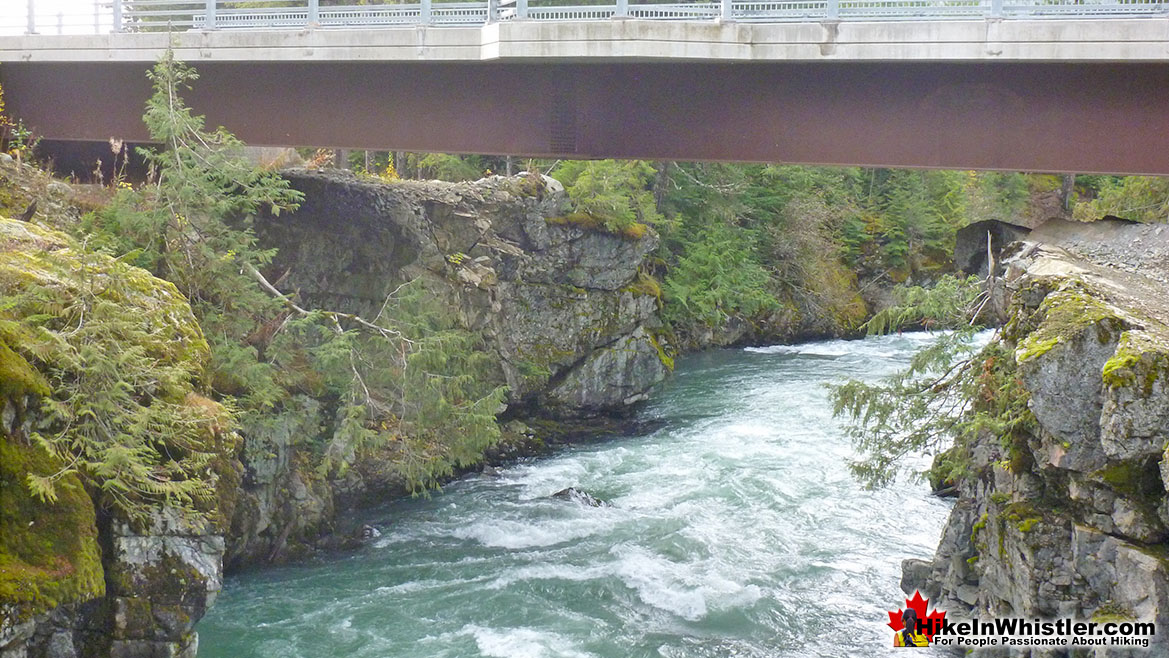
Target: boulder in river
x,y
581,497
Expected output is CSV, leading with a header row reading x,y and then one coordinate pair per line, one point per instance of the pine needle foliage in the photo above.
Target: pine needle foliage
x,y
948,304
408,379
951,392
121,355
192,225
718,276
1136,198
614,192
427,395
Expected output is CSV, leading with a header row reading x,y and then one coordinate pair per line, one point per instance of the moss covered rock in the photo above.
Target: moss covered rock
x,y
49,553
102,369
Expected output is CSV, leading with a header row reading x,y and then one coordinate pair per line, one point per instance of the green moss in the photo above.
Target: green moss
x,y
948,467
49,553
17,376
38,259
584,220
981,524
1141,358
999,497
1111,611
645,284
530,185
1138,480
1066,314
121,355
1023,515
666,359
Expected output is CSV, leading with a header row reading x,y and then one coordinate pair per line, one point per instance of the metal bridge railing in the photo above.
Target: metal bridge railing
x,y
105,16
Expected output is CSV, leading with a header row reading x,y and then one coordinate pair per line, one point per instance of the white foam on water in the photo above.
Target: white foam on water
x,y
829,349
688,590
537,534
522,643
412,586
548,572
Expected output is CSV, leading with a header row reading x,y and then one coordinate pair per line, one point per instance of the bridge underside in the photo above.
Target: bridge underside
x,y
1074,117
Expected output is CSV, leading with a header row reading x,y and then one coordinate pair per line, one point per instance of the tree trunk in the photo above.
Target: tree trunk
x,y
1067,192
661,182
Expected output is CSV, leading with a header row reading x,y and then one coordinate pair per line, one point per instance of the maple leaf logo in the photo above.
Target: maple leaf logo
x,y
930,623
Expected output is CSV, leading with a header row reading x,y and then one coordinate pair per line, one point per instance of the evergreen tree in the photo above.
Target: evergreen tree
x,y
420,386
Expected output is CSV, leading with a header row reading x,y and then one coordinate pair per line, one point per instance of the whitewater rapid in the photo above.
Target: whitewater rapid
x,y
735,529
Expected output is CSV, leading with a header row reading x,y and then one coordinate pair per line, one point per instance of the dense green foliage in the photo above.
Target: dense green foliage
x,y
718,275
1137,198
819,233
616,193
948,304
120,357
408,378
950,392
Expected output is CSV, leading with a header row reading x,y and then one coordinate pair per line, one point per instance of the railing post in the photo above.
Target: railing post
x,y
314,13
425,10
622,9
209,22
117,16
492,10
97,16
833,9
727,11
32,16
521,9
996,8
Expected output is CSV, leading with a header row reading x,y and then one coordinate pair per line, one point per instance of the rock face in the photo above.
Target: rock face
x,y
1072,520
970,248
556,303
75,580
162,577
554,300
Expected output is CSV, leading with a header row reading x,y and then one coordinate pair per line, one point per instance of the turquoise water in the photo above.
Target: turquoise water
x,y
736,530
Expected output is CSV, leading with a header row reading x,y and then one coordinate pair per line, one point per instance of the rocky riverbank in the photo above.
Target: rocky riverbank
x,y
558,306
562,309
1071,518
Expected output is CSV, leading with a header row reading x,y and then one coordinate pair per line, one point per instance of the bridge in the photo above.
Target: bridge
x,y
1033,85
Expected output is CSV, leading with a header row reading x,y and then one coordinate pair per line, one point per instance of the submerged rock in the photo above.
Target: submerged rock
x,y
581,497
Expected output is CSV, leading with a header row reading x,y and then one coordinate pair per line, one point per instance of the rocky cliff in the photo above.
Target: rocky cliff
x,y
1070,518
560,306
78,576
557,301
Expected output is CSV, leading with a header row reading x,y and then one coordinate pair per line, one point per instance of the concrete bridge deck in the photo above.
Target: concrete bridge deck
x,y
1144,39
1077,95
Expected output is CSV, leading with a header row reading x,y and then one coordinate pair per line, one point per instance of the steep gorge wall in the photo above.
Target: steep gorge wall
x,y
1072,518
556,305
77,576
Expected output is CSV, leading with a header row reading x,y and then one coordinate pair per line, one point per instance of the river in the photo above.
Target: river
x,y
735,529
